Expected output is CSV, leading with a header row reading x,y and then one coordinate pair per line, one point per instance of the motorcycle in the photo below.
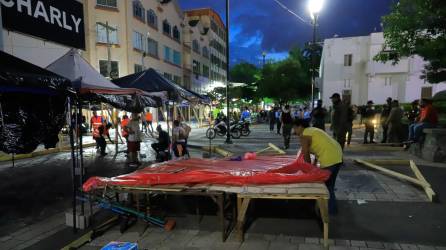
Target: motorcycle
x,y
220,129
243,126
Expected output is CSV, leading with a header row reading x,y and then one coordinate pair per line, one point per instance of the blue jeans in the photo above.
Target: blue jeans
x,y
330,183
416,129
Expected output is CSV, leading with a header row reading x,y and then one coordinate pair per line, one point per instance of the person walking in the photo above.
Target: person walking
x,y
149,120
394,123
134,139
327,151
97,121
384,115
338,119
318,116
278,122
272,119
350,117
287,124
369,116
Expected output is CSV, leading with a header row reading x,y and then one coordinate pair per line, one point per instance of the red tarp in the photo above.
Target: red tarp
x,y
263,170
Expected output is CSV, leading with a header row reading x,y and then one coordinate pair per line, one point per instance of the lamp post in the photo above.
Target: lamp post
x,y
314,6
263,55
228,130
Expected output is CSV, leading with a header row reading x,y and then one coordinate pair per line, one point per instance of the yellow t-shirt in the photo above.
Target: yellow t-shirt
x,y
327,150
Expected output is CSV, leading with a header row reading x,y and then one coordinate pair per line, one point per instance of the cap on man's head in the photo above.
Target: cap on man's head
x,y
370,102
335,95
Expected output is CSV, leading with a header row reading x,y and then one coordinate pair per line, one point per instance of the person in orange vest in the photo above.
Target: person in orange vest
x,y
98,127
148,122
125,120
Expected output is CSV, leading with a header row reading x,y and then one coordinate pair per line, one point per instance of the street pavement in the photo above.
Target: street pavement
x,y
376,211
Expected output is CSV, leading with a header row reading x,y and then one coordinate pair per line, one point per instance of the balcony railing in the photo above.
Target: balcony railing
x,y
387,68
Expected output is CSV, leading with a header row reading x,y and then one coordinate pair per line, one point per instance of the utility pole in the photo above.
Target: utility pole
x,y
108,50
228,128
263,55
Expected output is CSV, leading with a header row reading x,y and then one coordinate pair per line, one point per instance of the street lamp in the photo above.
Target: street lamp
x,y
263,55
314,6
228,130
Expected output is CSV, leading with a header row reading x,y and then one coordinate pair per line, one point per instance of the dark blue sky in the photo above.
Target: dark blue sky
x,y
263,25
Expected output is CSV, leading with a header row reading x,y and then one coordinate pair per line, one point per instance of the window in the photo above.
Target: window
x,y
196,67
138,10
152,47
176,57
205,52
107,3
168,76
138,68
167,54
103,69
205,71
196,46
138,41
214,26
348,60
176,33
152,19
166,27
177,79
101,33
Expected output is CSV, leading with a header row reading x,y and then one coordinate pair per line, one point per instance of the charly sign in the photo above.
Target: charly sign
x,y
59,21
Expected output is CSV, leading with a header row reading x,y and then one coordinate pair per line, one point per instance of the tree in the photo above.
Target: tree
x,y
417,27
286,80
248,74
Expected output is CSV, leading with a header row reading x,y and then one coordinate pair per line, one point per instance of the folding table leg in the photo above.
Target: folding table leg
x,y
242,207
323,206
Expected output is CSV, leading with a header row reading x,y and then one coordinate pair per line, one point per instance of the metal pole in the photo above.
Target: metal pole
x,y
81,151
108,50
313,58
228,128
1,29
73,159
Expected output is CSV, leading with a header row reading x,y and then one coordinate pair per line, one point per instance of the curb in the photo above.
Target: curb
x,y
8,157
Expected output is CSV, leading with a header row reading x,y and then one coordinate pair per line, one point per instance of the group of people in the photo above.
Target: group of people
x,y
132,130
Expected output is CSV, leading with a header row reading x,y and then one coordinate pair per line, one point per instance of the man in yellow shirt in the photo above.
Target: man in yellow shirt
x,y
327,151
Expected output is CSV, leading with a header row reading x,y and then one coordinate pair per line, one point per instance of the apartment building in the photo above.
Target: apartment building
x,y
136,35
212,28
347,67
196,35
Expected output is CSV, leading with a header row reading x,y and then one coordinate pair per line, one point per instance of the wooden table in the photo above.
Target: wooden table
x,y
221,195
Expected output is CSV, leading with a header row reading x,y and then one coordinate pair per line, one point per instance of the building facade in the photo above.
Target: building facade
x,y
348,68
212,32
141,34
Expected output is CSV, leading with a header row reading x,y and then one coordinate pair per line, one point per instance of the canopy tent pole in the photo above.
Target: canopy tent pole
x,y
81,153
73,160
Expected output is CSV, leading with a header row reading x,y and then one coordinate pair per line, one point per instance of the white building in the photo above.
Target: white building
x,y
348,68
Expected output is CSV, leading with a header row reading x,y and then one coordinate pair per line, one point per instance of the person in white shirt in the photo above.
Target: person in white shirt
x,y
134,139
179,140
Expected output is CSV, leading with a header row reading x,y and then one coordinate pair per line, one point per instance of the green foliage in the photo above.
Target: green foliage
x,y
286,80
417,27
248,74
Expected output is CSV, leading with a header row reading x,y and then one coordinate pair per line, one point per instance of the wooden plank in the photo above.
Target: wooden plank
x,y
295,185
283,196
394,174
315,191
388,161
280,151
428,190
